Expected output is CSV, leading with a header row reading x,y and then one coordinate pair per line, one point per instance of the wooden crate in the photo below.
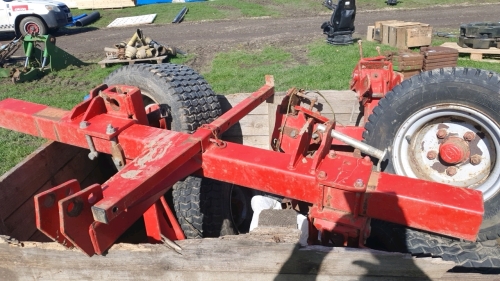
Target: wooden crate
x,y
389,31
370,33
378,31
408,35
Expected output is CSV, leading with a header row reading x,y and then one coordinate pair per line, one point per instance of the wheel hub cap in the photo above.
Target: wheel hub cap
x,y
465,153
454,151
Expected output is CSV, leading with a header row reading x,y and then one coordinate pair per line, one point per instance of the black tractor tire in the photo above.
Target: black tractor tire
x,y
202,206
28,25
392,237
476,94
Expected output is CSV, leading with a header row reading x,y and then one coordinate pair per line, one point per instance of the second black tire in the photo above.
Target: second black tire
x,y
459,100
202,206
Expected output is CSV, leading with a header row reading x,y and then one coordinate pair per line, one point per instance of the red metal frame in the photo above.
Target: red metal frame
x,y
342,190
371,79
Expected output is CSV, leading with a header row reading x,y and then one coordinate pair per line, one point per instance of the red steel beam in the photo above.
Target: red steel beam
x,y
416,203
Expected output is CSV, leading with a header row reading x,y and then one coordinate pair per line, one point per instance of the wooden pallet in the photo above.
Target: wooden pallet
x,y
476,54
104,63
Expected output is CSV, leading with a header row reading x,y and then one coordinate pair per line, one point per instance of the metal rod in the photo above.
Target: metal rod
x,y
368,149
171,244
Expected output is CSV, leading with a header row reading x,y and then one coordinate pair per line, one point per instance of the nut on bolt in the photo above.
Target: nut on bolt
x,y
359,183
110,129
441,133
475,159
451,171
431,155
322,175
469,136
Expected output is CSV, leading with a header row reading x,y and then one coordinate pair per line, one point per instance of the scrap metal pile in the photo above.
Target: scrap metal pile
x,y
139,47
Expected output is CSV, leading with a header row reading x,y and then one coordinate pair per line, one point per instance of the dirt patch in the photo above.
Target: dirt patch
x,y
300,26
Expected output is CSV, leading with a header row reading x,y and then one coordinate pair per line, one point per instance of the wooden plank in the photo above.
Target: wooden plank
x,y
454,45
105,62
369,33
21,223
250,125
476,57
253,141
214,259
40,163
38,236
257,125
477,54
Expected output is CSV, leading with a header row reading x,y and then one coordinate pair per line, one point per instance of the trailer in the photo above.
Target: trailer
x,y
164,133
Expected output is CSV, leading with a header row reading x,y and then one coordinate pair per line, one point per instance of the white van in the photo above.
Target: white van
x,y
33,16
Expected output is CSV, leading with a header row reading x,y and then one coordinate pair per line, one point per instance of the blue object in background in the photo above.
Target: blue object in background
x,y
75,18
87,97
146,2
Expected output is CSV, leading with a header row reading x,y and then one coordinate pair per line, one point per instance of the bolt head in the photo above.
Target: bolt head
x,y
431,155
451,171
441,133
359,183
475,159
84,124
322,175
367,160
332,154
469,136
110,129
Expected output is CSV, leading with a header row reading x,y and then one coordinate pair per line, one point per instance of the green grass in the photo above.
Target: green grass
x,y
327,67
235,9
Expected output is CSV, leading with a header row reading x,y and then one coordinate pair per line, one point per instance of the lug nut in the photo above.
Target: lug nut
x,y
451,171
475,159
359,183
441,133
469,136
431,155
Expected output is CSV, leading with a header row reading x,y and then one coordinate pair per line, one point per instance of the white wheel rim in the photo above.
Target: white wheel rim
x,y
410,157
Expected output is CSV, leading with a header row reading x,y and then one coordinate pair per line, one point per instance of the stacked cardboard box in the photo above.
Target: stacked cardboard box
x,y
400,34
437,57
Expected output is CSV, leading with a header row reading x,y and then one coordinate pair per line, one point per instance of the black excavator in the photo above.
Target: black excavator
x,y
340,28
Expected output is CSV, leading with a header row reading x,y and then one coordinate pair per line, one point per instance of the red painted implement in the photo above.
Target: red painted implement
x,y
342,191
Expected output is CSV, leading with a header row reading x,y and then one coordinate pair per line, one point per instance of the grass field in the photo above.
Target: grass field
x,y
235,9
